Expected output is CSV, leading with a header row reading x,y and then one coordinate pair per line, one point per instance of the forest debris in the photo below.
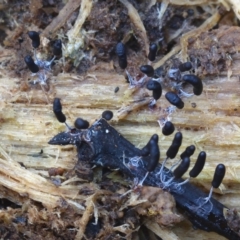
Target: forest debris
x,y
62,17
35,6
85,218
233,219
75,35
215,50
137,22
188,3
91,209
134,106
158,204
173,52
208,24
163,233
27,122
235,7
26,183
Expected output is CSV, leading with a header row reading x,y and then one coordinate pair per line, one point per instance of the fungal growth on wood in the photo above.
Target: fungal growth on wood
x,y
82,52
102,145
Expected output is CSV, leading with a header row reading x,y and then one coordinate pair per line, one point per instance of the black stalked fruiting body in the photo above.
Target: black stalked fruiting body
x,y
148,70
81,123
156,88
198,167
176,144
121,50
31,64
185,66
152,52
154,153
146,150
168,128
182,168
34,36
122,55
195,81
189,151
218,175
107,115
122,62
174,99
57,109
57,47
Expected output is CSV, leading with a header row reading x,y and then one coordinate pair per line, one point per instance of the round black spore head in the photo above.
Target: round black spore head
x,y
176,143
81,123
195,81
156,88
189,151
57,47
34,36
218,175
185,66
107,115
148,70
198,167
154,153
182,168
57,109
174,99
152,52
168,128
31,64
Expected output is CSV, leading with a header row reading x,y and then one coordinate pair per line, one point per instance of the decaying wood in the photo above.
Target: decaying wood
x,y
210,121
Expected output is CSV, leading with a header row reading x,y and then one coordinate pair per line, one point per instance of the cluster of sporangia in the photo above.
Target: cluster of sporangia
x,y
39,67
152,148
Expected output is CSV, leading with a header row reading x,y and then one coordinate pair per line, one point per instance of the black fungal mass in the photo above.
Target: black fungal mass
x,y
189,151
195,81
105,148
198,167
146,150
34,36
182,168
174,99
57,47
107,115
57,109
152,52
154,153
31,64
81,123
176,144
122,55
218,175
185,66
148,70
156,88
168,128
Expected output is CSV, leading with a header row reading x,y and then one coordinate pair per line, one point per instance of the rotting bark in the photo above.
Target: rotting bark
x,y
102,145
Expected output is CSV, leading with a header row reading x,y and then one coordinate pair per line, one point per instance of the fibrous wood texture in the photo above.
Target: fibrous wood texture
x,y
210,122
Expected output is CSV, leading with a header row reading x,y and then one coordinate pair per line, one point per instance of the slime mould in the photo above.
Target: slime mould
x,y
102,145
